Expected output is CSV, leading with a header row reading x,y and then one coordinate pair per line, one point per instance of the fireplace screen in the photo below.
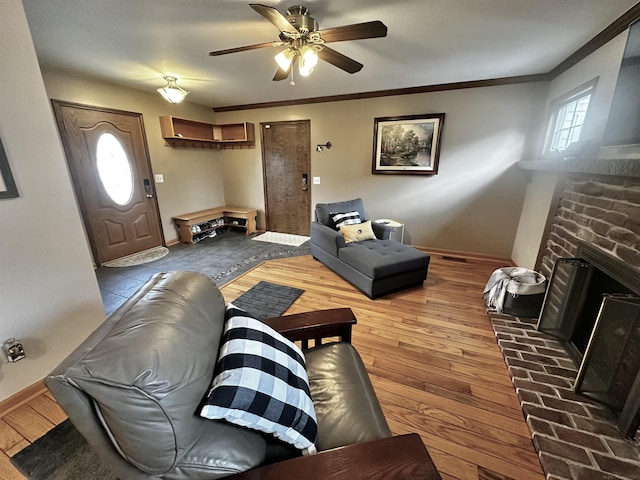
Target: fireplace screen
x,y
593,306
610,370
565,295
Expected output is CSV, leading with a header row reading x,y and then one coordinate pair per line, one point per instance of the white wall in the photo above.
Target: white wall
x,y
472,205
605,64
49,296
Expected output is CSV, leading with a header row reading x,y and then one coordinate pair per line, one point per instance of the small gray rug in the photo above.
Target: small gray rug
x,y
61,454
267,300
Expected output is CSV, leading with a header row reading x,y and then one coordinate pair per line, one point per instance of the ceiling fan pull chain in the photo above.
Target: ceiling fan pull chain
x,y
292,82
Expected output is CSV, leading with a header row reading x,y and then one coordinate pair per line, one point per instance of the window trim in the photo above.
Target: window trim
x,y
558,103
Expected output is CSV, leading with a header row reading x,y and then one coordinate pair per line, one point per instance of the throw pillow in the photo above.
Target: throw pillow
x,y
348,218
261,383
358,232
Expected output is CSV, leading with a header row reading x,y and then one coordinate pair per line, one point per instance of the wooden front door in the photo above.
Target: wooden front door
x,y
286,162
109,163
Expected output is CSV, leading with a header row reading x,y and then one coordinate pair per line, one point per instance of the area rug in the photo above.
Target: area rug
x,y
267,300
282,238
61,454
138,258
230,273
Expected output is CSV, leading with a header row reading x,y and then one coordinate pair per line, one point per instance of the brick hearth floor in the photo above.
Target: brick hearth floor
x,y
576,439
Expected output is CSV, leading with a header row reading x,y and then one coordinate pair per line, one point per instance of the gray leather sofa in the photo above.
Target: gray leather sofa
x,y
134,386
376,267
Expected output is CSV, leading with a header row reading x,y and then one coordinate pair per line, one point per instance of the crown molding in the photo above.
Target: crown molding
x,y
543,77
613,30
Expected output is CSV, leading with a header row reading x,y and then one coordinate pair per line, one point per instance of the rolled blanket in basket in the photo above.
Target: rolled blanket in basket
x,y
514,281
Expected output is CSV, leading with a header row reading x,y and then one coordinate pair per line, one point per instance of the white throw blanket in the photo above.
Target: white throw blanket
x,y
507,280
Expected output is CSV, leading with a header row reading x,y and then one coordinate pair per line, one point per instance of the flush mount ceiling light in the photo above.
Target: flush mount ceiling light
x,y
171,92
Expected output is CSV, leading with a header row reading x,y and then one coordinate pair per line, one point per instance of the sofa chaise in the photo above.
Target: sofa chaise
x,y
376,265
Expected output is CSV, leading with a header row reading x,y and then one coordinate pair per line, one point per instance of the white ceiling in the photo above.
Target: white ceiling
x,y
137,42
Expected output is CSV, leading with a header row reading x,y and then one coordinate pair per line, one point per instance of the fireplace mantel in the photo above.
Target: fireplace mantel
x,y
619,168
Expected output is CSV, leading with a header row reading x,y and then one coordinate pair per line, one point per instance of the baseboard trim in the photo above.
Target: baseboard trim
x,y
22,397
466,255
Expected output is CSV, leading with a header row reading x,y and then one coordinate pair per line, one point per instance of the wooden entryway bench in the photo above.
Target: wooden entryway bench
x,y
208,220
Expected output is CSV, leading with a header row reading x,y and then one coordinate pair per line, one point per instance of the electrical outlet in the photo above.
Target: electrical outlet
x,y
159,178
316,180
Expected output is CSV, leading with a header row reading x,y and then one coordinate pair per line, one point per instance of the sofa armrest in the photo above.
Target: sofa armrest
x,y
326,238
382,232
319,324
399,457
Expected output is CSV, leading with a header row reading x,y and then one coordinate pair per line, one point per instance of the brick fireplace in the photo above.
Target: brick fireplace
x,y
576,438
601,210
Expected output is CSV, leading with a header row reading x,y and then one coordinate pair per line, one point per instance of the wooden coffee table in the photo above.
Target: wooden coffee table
x,y
394,458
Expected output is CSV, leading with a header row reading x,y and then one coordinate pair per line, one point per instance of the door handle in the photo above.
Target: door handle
x,y
305,181
147,188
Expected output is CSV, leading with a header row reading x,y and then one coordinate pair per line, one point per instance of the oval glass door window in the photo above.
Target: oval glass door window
x,y
114,169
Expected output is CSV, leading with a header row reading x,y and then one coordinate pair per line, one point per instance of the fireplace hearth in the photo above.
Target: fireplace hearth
x,y
592,307
576,438
597,203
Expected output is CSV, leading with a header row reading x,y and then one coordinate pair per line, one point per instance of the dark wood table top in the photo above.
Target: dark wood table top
x,y
397,458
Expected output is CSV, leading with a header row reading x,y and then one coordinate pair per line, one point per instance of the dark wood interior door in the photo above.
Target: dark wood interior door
x,y
109,163
286,160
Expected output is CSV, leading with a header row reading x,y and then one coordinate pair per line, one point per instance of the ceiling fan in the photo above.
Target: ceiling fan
x,y
305,43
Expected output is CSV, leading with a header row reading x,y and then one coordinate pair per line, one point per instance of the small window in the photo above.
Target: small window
x,y
114,169
567,118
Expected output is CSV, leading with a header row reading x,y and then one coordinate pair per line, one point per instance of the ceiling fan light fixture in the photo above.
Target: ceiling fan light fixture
x,y
308,59
171,92
285,58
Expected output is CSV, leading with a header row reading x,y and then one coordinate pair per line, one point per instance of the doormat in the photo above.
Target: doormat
x,y
267,300
282,238
138,258
61,454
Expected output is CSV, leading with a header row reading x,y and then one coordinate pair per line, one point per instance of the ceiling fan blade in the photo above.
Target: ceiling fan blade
x,y
357,31
241,49
275,17
281,74
339,60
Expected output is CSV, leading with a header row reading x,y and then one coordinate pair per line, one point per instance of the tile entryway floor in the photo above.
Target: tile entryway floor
x,y
222,258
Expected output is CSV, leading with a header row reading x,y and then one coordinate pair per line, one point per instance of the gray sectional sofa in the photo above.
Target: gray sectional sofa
x,y
377,266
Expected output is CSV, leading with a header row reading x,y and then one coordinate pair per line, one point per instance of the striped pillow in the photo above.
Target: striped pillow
x,y
261,383
348,218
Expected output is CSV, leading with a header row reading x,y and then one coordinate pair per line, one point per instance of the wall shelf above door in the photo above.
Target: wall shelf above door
x,y
179,132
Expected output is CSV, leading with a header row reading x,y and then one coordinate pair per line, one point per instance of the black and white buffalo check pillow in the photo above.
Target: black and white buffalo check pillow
x,y
348,218
261,383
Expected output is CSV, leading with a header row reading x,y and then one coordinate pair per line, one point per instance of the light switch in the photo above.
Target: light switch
x,y
316,180
159,178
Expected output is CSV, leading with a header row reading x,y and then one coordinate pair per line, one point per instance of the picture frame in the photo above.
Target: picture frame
x,y
8,187
407,145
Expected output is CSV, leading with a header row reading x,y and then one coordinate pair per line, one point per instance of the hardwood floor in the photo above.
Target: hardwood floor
x,y
431,355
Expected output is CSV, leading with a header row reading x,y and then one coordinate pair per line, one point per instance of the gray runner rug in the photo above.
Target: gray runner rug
x,y
61,454
266,300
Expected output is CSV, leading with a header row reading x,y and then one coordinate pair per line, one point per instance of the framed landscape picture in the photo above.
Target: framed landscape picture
x,y
7,185
407,145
